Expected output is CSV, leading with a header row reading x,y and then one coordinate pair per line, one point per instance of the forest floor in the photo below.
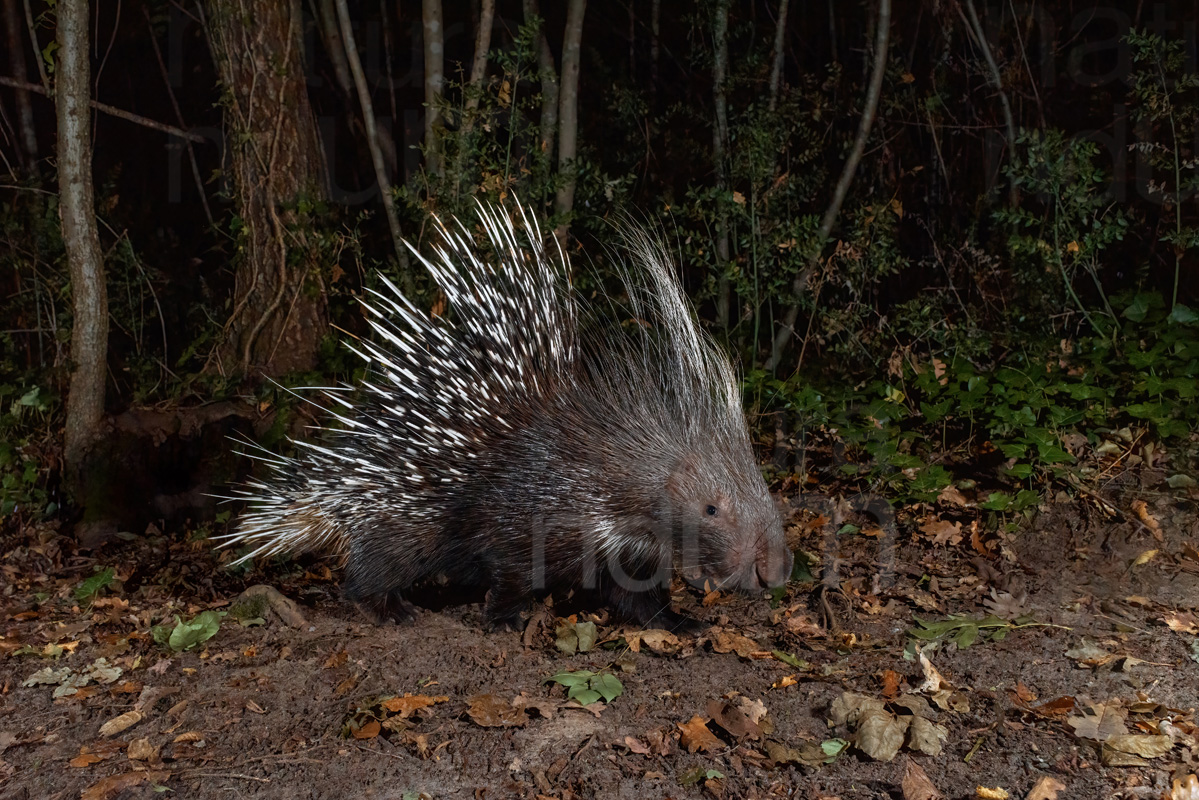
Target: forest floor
x,y
1070,671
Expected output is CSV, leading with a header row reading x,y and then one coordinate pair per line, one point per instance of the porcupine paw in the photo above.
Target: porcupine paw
x,y
387,607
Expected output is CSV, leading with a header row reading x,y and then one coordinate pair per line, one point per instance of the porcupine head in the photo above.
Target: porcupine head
x,y
538,441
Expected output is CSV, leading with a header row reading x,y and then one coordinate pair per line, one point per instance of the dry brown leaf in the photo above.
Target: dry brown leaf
x,y
891,680
85,760
724,641
1144,745
1145,516
984,793
1047,788
142,750
1182,622
734,720
1185,788
403,706
942,532
696,736
637,746
121,723
337,659
881,734
489,711
926,736
655,640
952,496
113,785
368,730
916,784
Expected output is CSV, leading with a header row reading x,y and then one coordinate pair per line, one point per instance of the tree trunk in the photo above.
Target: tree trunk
x,y
720,137
434,36
26,132
776,67
568,112
89,331
278,320
549,86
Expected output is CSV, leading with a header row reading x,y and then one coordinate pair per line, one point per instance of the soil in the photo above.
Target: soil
x,y
1090,694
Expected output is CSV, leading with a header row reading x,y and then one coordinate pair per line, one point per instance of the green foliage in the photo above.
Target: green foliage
x,y
24,475
897,429
1164,92
186,635
963,631
1065,224
90,589
586,687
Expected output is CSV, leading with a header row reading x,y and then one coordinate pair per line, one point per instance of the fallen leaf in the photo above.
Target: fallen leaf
x,y
942,532
1144,515
1185,788
733,720
880,735
121,723
1047,788
916,784
1138,744
696,736
724,641
403,706
142,750
368,730
926,736
636,746
983,793
489,711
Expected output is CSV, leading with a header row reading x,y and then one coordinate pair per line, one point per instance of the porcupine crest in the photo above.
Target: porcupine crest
x,y
529,444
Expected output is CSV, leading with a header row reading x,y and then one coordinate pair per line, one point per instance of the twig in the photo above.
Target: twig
x,y
129,116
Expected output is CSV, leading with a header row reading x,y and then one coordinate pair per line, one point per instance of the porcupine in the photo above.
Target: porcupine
x,y
529,446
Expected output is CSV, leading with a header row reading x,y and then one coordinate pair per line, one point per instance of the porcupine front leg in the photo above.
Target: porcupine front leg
x,y
651,609
508,595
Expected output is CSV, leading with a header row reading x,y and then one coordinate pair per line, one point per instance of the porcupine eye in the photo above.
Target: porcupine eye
x,y
710,511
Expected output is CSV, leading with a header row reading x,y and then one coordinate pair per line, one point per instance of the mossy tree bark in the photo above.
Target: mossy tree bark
x,y
279,307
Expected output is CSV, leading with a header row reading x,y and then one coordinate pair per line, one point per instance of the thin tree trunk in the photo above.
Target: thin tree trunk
x,y
568,112
372,135
776,67
549,86
89,330
478,67
276,325
980,35
873,92
26,132
331,33
434,37
474,89
720,137
655,50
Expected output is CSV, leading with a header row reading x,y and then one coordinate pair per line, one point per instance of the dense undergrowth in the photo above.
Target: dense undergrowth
x,y
942,326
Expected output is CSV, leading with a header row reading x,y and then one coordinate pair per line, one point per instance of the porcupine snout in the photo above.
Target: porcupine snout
x,y
761,560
